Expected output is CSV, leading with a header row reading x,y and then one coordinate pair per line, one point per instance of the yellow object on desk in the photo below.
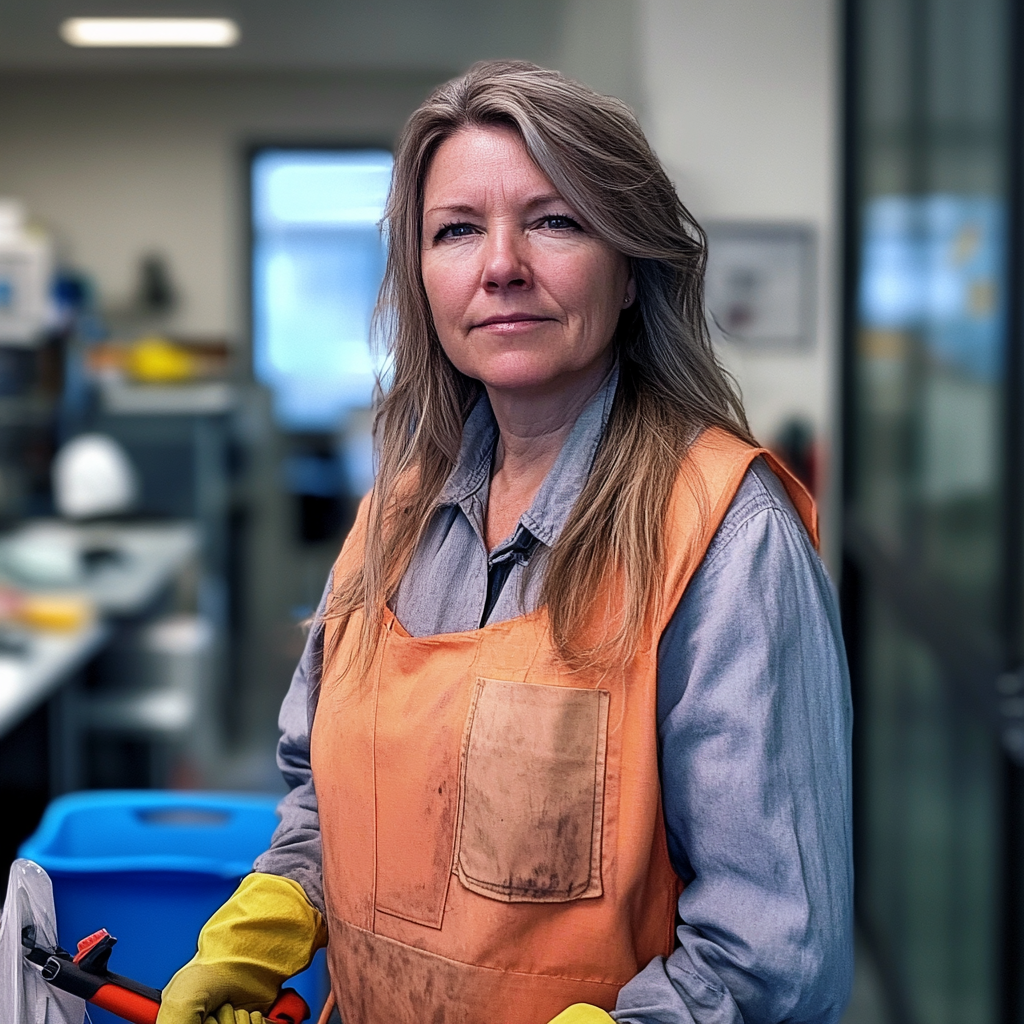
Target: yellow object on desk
x,y
156,360
61,613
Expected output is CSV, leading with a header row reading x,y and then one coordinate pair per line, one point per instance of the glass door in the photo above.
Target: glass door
x,y
932,510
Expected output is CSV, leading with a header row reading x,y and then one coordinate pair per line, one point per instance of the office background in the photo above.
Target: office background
x,y
858,162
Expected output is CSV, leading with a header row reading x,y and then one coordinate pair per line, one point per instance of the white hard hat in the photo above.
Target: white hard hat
x,y
93,476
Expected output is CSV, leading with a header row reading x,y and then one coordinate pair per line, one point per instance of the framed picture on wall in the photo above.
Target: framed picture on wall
x,y
760,283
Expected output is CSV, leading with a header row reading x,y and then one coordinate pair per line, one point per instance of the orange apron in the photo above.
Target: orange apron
x,y
494,846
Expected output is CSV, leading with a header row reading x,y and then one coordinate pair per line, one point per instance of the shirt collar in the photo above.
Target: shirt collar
x,y
473,467
469,483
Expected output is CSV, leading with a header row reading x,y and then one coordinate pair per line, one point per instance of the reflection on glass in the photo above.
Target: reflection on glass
x,y
317,264
931,142
934,264
931,346
930,862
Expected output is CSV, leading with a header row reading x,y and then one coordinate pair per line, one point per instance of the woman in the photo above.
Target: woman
x,y
571,732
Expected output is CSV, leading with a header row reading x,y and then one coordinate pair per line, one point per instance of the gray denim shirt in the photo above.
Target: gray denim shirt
x,y
754,729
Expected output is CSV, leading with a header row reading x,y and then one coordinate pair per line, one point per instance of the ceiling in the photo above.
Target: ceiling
x,y
312,35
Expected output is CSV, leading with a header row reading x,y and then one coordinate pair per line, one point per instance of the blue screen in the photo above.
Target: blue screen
x,y
317,265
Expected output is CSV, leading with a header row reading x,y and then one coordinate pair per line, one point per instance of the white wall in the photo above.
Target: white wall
x,y
742,106
116,167
600,45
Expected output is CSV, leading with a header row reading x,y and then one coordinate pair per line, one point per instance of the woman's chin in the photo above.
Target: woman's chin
x,y
510,383
531,377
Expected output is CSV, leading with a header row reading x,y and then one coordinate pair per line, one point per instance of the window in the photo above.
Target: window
x,y
317,265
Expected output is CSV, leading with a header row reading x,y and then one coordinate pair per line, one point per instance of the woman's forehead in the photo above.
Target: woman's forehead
x,y
478,163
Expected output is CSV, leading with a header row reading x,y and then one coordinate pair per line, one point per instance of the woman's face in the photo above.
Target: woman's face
x,y
525,298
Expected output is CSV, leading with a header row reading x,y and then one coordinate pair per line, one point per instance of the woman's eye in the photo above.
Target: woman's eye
x,y
454,231
559,221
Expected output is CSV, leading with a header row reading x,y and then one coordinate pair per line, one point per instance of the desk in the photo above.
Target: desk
x,y
143,559
51,659
149,556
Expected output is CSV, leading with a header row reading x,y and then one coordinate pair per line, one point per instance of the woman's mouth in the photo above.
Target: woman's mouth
x,y
511,322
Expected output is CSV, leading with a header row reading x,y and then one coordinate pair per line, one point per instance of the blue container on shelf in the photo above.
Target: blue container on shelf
x,y
151,866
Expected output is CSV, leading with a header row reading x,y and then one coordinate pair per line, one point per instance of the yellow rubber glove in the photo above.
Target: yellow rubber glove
x,y
266,933
229,1015
582,1013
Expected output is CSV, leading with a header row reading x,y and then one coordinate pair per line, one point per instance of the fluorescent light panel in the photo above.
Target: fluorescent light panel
x,y
149,32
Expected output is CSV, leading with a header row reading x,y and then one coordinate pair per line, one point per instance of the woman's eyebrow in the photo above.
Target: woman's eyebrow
x,y
468,208
543,200
452,208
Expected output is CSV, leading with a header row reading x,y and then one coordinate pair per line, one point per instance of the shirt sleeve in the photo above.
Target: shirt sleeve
x,y
754,725
295,847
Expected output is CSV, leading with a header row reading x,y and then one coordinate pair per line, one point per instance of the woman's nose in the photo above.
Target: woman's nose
x,y
505,262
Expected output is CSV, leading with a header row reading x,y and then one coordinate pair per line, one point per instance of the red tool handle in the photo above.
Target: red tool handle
x,y
290,1007
125,1003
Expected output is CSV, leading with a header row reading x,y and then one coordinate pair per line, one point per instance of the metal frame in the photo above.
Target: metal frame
x,y
1013,527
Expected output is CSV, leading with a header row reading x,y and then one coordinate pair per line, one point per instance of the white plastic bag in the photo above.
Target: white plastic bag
x,y
24,997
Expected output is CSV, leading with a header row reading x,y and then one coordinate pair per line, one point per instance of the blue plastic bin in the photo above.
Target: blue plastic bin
x,y
151,867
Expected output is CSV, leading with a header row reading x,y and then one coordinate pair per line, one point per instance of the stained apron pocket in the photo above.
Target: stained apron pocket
x,y
532,792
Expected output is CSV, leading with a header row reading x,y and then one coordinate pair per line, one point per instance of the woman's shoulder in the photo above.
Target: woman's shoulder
x,y
723,473
762,510
760,568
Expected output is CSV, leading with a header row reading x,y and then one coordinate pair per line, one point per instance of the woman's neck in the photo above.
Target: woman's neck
x,y
531,432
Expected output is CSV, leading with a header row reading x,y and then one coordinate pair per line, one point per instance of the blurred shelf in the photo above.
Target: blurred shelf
x,y
152,555
208,398
26,410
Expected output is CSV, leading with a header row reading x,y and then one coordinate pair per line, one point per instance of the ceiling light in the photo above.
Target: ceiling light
x,y
149,32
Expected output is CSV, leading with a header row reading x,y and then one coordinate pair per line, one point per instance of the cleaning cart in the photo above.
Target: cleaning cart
x,y
150,867
42,983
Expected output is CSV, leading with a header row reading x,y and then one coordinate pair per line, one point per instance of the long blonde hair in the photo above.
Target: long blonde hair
x,y
670,384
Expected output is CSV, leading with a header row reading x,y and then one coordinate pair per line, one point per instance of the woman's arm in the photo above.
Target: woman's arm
x,y
272,926
295,848
754,722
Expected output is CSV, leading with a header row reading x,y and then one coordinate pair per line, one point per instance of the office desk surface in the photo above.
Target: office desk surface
x,y
142,559
152,554
148,557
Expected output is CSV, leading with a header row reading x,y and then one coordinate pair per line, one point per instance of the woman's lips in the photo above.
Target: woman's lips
x,y
511,323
